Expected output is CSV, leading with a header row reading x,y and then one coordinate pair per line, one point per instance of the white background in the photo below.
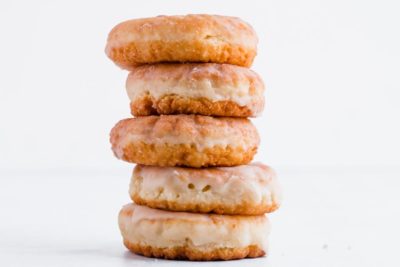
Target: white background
x,y
331,128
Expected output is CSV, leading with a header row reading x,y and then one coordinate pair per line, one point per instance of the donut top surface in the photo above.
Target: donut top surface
x,y
216,177
138,213
187,27
203,131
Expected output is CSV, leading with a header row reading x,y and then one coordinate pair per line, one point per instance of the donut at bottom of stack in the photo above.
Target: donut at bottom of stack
x,y
185,140
241,190
193,236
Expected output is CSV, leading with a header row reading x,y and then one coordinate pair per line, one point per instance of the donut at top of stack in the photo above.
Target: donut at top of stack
x,y
195,88
190,38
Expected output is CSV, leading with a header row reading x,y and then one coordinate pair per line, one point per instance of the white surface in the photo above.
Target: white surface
x,y
329,218
333,88
331,70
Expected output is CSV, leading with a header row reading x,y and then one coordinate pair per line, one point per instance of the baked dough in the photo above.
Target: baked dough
x,y
241,190
190,38
185,140
181,235
195,88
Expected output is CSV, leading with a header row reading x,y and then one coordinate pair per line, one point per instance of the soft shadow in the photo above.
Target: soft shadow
x,y
132,259
118,256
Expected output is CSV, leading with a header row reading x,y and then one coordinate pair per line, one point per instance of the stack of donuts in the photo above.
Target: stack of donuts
x,y
195,193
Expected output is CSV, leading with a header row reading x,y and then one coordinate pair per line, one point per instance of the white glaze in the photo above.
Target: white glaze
x,y
159,228
200,89
254,183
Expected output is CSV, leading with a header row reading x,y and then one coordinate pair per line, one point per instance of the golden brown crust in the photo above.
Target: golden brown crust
x,y
241,209
194,254
137,53
185,155
174,104
185,140
190,38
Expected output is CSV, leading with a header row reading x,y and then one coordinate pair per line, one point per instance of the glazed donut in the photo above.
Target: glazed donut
x,y
190,38
195,88
181,235
242,190
185,140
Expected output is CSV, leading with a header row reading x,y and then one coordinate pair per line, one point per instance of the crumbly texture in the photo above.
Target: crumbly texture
x,y
175,104
242,190
190,38
185,140
185,155
194,254
207,89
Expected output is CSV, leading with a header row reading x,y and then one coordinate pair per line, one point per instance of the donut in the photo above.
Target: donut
x,y
195,88
193,236
190,38
242,190
185,140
